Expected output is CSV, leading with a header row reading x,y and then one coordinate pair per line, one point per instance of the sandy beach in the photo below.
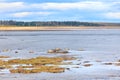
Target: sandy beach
x,y
48,28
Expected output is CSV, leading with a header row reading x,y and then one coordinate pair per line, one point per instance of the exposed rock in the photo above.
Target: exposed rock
x,y
76,67
2,67
57,50
67,68
16,51
51,51
117,64
87,65
62,51
5,50
31,51
108,63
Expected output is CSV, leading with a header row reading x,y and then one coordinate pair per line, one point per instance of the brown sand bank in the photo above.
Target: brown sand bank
x,y
31,28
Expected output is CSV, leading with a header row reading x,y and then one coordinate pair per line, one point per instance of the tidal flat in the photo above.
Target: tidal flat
x,y
91,55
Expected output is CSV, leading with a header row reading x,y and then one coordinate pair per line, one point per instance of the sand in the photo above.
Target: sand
x,y
37,28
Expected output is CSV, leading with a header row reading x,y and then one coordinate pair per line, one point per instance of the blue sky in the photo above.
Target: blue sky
x,y
60,10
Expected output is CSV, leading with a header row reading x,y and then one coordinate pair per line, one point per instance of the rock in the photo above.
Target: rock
x,y
16,51
5,50
109,63
78,64
31,51
62,51
57,50
87,65
118,60
76,67
51,51
2,67
68,68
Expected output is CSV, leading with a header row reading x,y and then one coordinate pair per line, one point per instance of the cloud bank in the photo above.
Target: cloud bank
x,y
107,10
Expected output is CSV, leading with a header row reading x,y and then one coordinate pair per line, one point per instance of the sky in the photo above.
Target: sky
x,y
61,10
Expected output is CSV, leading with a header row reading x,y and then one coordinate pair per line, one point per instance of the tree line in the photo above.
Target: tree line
x,y
53,23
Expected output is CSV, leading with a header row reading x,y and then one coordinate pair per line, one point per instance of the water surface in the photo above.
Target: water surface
x,y
90,40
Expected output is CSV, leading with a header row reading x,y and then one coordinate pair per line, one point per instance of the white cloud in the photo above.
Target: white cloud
x,y
43,13
25,14
21,14
112,15
11,6
76,5
24,9
84,5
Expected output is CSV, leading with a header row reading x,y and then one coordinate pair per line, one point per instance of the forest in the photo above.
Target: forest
x,y
54,23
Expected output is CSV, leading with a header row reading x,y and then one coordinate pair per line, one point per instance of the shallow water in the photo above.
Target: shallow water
x,y
89,40
97,45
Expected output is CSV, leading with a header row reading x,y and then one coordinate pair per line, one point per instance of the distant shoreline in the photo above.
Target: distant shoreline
x,y
53,28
